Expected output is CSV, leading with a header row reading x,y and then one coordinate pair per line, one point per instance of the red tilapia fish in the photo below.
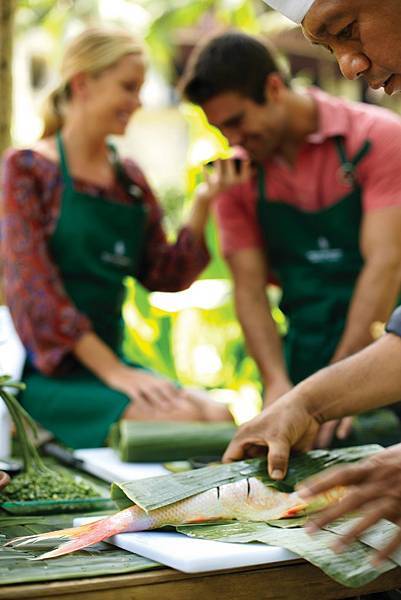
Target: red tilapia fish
x,y
245,500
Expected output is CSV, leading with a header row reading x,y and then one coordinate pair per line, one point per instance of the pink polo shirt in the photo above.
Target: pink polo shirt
x,y
315,181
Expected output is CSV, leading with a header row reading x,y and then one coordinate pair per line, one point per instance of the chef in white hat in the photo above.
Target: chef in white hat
x,y
364,35
293,9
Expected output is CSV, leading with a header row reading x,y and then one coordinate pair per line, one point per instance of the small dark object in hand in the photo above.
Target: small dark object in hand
x,y
237,164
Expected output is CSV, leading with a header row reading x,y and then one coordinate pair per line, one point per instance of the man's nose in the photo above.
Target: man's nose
x,y
352,65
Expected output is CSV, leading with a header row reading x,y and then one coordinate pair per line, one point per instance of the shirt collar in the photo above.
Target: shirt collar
x,y
333,119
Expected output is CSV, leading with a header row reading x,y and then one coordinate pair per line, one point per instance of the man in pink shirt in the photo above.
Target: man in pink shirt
x,y
321,214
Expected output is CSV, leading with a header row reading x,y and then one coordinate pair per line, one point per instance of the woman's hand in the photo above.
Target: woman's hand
x,y
140,385
157,399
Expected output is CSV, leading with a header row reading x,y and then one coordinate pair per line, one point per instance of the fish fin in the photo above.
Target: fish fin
x,y
316,503
196,520
294,511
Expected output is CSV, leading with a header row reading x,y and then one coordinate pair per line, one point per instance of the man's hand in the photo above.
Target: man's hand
x,y
280,427
378,495
223,176
339,428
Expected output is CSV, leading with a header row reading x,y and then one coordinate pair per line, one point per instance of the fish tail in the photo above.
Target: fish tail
x,y
28,540
84,535
84,538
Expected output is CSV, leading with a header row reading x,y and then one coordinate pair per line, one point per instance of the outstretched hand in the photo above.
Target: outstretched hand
x,y
377,494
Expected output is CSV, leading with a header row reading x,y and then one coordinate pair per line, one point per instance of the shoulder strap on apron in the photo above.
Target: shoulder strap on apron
x,y
348,166
133,190
65,174
261,183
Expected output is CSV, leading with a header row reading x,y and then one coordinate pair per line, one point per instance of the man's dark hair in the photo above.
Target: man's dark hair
x,y
231,62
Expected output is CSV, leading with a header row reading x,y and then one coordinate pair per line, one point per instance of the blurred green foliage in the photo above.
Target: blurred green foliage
x,y
198,340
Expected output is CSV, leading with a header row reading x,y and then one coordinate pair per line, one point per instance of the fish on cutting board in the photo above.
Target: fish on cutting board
x,y
245,500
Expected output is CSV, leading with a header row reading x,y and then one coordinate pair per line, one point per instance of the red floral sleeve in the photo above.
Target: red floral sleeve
x,y
47,322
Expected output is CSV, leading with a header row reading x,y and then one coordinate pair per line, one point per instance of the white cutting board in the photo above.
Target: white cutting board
x,y
192,555
106,464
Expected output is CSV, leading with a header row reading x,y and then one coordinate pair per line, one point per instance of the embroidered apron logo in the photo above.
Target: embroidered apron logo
x,y
118,257
324,253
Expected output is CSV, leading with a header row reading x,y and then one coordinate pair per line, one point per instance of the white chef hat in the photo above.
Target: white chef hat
x,y
293,9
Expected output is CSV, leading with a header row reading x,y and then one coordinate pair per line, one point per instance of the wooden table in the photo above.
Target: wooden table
x,y
281,581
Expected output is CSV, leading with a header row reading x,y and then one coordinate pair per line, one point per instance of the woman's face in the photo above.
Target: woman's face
x,y
111,98
364,36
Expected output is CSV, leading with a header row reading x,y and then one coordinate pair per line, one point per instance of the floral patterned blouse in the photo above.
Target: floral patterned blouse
x,y
45,318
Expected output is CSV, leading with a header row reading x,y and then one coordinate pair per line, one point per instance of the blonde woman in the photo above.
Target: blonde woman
x,y
77,221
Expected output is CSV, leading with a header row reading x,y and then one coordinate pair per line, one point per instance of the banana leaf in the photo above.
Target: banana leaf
x,y
289,523
377,536
99,560
169,441
352,568
156,492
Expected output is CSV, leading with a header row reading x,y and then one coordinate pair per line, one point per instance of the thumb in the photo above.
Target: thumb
x,y
277,459
234,451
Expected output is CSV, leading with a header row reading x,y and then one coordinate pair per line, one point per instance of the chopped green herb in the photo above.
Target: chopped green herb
x,y
46,486
37,482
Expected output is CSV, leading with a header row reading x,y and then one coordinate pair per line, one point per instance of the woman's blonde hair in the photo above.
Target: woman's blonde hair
x,y
93,51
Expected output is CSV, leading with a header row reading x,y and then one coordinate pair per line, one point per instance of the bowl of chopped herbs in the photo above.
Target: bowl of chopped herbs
x,y
39,489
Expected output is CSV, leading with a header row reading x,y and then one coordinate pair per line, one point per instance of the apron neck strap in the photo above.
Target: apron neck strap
x,y
348,166
114,159
65,174
261,183
133,190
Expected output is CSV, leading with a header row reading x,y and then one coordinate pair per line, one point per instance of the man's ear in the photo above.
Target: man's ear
x,y
79,85
274,87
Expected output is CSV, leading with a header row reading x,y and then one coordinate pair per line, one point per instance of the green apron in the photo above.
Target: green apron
x,y
316,258
97,242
